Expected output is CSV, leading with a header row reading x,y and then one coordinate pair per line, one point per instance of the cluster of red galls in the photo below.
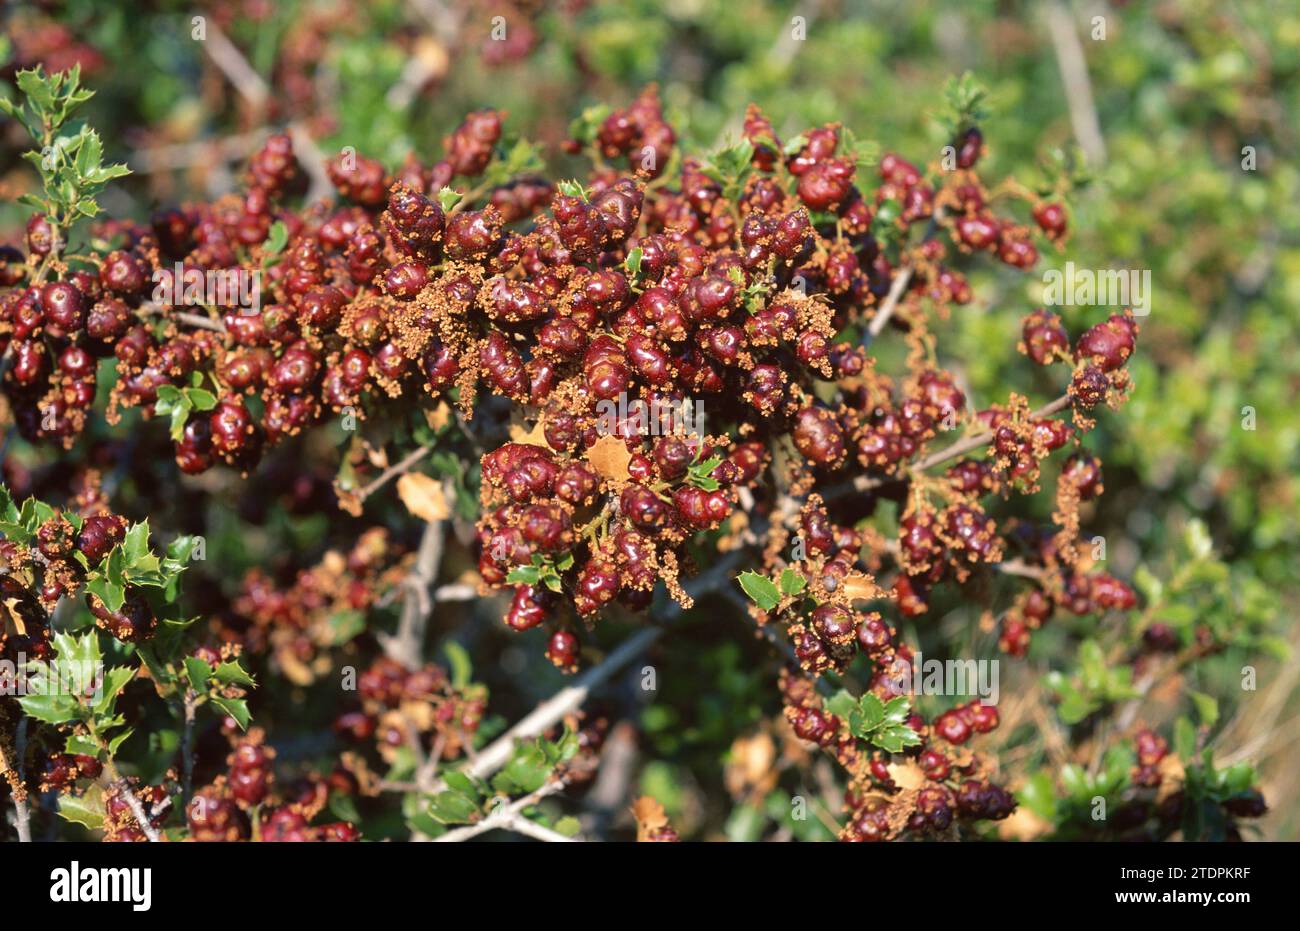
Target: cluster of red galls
x,y
241,804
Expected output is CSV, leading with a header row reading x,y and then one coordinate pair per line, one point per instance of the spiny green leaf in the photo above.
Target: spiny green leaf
x,y
792,583
760,589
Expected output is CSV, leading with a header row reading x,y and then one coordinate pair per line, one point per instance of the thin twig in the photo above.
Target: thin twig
x,y
187,749
896,289
521,825
232,63
567,699
22,813
503,817
398,468
203,151
197,320
961,447
407,645
1078,87
235,67
137,810
496,754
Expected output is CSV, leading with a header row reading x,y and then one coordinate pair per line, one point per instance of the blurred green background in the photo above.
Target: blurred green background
x,y
1183,91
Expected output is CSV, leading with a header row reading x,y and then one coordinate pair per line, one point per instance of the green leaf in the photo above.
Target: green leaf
x,y
115,680
447,198
276,239
842,704
37,89
199,673
1075,781
569,826
527,770
632,264
897,709
463,784
1185,739
82,651
346,625
135,546
760,589
458,659
523,575
8,510
113,596
231,673
792,583
584,128
119,739
573,189
872,710
451,807
1039,795
81,744
90,153
57,708
893,738
86,809
237,708
699,473
201,399
1207,708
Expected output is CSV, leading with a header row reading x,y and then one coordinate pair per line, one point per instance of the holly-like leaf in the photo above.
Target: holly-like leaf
x,y
897,709
523,575
698,474
237,708
115,680
199,673
1207,708
86,809
448,198
872,710
56,708
892,738
112,595
841,704
573,189
792,583
231,673
760,589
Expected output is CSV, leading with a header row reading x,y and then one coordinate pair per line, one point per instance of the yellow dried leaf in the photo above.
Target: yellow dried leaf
x,y
610,458
1023,825
423,496
534,437
861,587
752,759
439,417
906,775
650,817
377,456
